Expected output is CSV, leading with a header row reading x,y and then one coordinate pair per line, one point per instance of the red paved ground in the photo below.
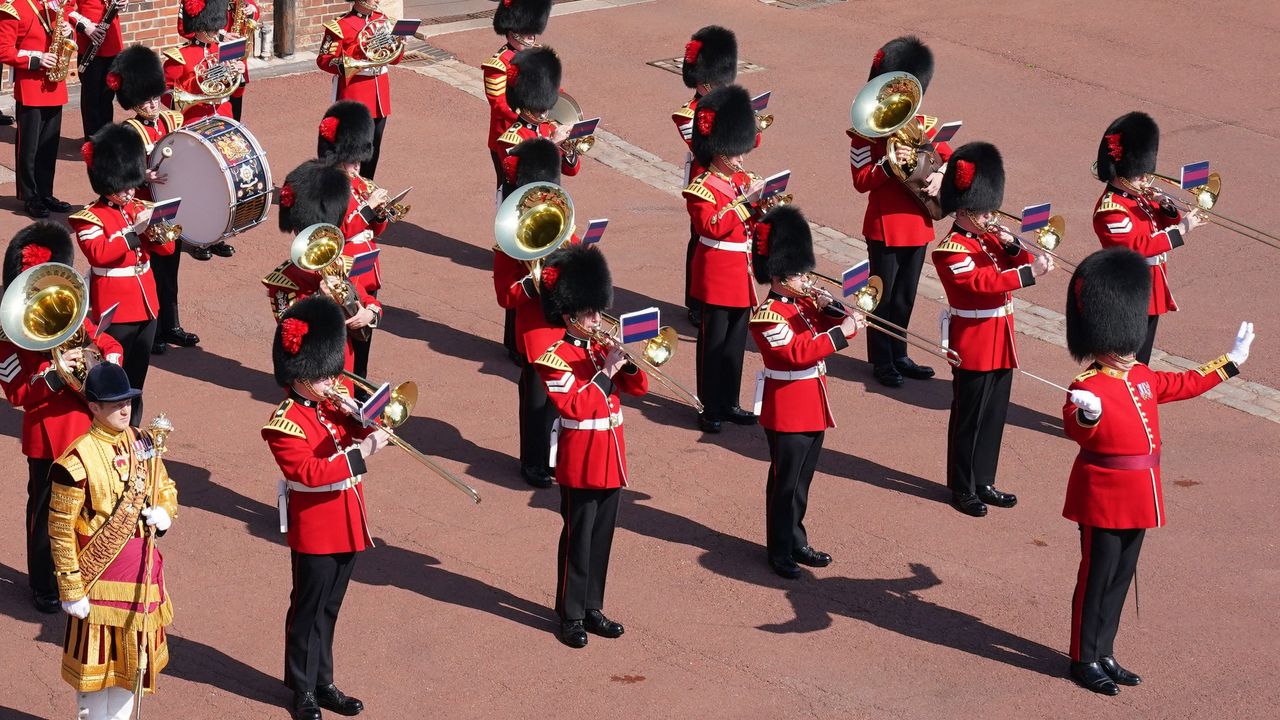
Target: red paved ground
x,y
925,614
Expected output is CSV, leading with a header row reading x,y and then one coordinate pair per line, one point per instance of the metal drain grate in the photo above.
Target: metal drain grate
x,y
676,65
800,4
427,53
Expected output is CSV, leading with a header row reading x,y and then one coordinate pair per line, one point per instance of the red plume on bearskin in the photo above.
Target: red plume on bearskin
x,y
509,165
292,330
33,255
706,119
580,282
549,277
1114,147
877,61
329,128
964,174
113,81
310,341
86,153
710,58
193,7
1138,138
40,242
974,180
762,239
905,54
724,124
691,49
286,196
788,245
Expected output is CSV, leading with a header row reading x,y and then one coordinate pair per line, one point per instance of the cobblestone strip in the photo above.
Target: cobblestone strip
x,y
1033,320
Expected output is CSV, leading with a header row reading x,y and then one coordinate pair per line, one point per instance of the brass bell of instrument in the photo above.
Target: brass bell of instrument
x,y
534,221
44,310
318,248
377,44
566,112
886,107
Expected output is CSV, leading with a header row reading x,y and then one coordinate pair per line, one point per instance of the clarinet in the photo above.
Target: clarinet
x,y
96,45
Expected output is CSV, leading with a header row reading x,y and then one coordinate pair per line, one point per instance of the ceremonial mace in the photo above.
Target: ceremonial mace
x,y
158,430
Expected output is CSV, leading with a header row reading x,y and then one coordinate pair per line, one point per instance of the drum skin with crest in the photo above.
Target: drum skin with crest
x,y
220,172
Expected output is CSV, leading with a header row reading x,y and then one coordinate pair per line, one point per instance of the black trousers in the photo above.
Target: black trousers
x,y
165,270
1108,561
690,301
237,107
583,561
319,585
1144,354
39,131
497,172
39,559
135,339
722,340
979,405
96,97
537,415
899,269
370,166
792,459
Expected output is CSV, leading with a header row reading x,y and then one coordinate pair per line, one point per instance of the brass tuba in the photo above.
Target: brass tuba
x,y
318,249
378,46
886,107
63,46
216,81
533,222
566,111
44,310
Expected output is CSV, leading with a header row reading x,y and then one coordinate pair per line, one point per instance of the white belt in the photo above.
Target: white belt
x,y
131,271
806,374
373,71
743,247
1001,311
613,421
1160,259
331,487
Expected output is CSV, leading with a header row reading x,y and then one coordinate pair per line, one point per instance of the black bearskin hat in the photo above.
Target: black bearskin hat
x,y
30,245
710,58
534,160
1128,148
346,133
575,279
1107,304
723,124
138,74
533,80
204,15
315,192
974,180
904,54
522,17
783,245
116,160
310,341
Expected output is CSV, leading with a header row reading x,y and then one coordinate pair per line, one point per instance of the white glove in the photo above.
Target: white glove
x,y
158,518
1089,404
1244,338
79,608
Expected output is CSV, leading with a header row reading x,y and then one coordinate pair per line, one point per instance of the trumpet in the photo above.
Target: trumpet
x,y
657,352
566,111
763,121
865,302
393,210
398,411
1048,238
163,232
762,206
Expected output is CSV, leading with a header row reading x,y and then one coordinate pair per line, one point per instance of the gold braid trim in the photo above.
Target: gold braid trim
x,y
131,619
110,539
65,503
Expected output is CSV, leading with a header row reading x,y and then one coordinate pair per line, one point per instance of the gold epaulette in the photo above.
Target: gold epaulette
x,y
175,54
10,10
1109,205
495,84
511,136
73,465
86,215
277,278
1213,367
927,122
282,424
684,112
552,360
496,63
698,189
141,129
765,315
951,246
1086,375
332,26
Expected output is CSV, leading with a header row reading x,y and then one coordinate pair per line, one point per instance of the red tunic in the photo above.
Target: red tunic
x,y
151,131
180,72
591,452
119,261
371,86
722,260
1123,219
24,29
979,277
501,116
254,13
362,235
794,336
522,130
85,15
315,446
894,216
533,333
54,415
1115,480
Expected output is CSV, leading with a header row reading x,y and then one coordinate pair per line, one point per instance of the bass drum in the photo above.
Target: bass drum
x,y
220,172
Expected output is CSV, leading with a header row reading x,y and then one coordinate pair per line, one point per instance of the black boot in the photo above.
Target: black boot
x,y
813,558
331,698
909,368
969,505
177,336
596,623
572,633
991,496
537,477
1117,673
305,706
1091,676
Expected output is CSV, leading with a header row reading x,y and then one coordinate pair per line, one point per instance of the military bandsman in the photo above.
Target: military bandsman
x,y
520,22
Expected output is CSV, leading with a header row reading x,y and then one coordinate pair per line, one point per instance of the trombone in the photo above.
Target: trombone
x,y
398,410
1048,238
865,302
657,351
1206,197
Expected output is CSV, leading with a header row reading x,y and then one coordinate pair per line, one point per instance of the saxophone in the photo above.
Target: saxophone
x,y
63,46
243,25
